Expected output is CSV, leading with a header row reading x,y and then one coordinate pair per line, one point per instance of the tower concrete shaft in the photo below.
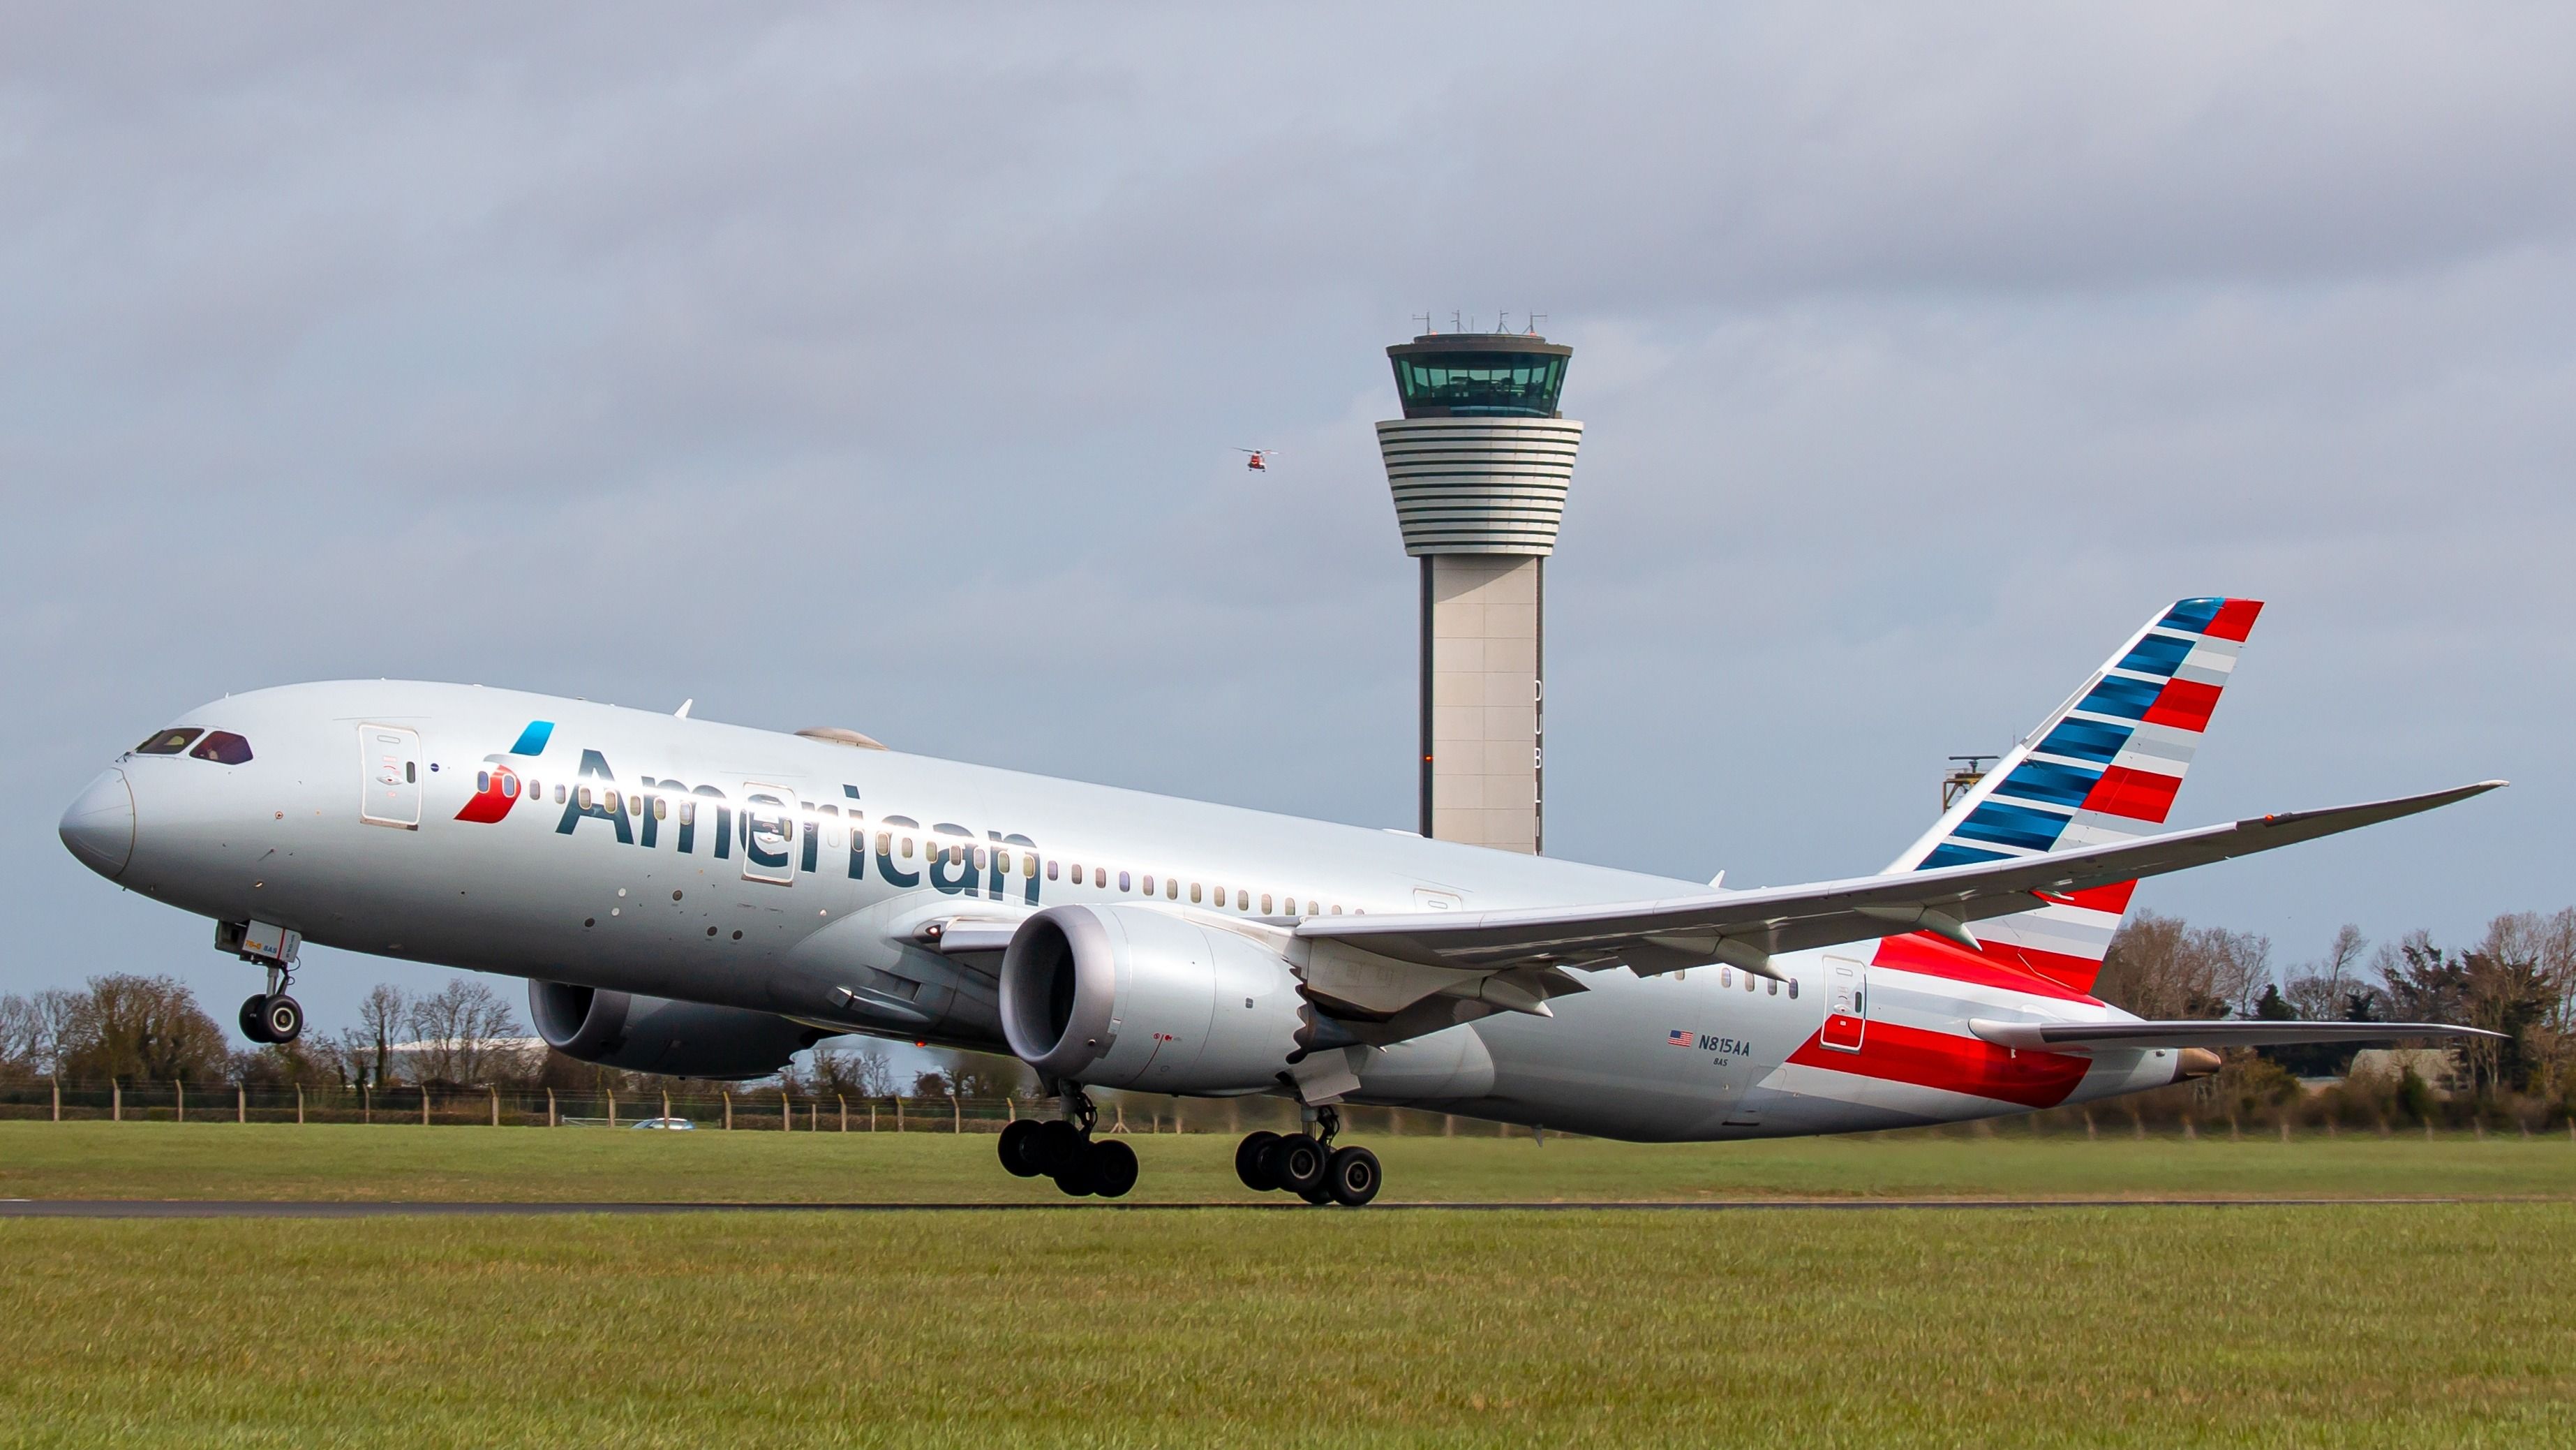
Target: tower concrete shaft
x,y
1479,467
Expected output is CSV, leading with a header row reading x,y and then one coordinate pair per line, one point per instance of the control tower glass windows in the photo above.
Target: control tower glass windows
x,y
1480,384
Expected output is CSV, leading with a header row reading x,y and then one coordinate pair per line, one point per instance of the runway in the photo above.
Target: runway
x,y
376,1208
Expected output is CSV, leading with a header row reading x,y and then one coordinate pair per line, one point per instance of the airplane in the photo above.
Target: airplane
x,y
706,900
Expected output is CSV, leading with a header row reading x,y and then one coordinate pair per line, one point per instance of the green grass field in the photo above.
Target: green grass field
x,y
271,1161
2261,1324
2348,1325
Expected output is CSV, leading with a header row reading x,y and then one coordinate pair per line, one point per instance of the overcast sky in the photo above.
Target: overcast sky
x,y
884,369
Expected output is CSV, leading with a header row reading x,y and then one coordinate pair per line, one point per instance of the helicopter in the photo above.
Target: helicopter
x,y
1258,459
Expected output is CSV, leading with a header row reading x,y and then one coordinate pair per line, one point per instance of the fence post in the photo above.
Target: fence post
x,y
58,1110
786,1112
612,1108
956,1115
845,1111
178,1101
496,1103
241,1103
898,1114
116,1102
551,1120
666,1107
872,1121
728,1101
366,1102
299,1104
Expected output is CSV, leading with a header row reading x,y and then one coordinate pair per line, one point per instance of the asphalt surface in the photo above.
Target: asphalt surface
x,y
256,1208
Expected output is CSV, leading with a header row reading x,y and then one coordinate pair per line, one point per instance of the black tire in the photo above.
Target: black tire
x,y
1058,1147
1318,1196
1352,1177
251,1012
1019,1148
283,1016
1112,1169
1075,1181
1247,1161
1295,1162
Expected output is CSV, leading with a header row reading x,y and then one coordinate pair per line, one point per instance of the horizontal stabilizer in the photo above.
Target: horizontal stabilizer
x,y
2038,1035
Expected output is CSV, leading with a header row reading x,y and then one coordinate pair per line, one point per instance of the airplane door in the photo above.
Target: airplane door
x,y
1846,1004
389,768
768,834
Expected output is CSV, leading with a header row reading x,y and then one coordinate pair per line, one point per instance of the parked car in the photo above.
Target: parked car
x,y
671,1123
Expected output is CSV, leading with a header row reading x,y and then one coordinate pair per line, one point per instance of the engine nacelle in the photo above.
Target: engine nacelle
x,y
1134,997
655,1034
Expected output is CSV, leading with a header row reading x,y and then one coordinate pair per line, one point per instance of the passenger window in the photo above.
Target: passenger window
x,y
1313,910
1265,903
1793,989
688,813
1100,878
1149,885
1052,868
168,742
482,781
581,798
1337,908
225,748
907,848
978,854
1172,888
661,809
559,793
1773,990
1194,893
1122,879
614,804
1028,863
509,787
1242,899
1748,981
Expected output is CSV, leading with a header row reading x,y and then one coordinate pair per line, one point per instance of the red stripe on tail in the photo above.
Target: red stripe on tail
x,y
1953,1064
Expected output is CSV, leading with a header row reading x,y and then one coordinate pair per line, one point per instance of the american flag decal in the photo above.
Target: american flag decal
x,y
1678,1038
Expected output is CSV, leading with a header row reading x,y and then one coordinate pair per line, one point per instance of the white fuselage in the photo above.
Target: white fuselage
x,y
792,875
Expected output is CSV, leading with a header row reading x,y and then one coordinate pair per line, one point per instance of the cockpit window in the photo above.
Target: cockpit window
x,y
223,748
169,742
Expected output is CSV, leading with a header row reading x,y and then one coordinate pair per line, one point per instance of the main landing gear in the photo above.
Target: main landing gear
x,y
1062,1149
1308,1165
272,1016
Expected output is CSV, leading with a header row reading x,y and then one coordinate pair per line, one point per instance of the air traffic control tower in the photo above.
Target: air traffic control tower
x,y
1479,464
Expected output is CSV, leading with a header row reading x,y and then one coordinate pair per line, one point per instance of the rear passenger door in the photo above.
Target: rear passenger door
x,y
389,768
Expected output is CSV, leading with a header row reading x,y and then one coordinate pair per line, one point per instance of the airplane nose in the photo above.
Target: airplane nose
x,y
99,827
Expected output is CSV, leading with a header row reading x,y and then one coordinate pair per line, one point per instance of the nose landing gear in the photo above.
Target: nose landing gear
x,y
272,1016
1308,1165
1063,1149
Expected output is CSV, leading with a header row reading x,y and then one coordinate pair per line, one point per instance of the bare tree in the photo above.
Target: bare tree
x,y
462,1029
22,1035
2163,967
129,1026
2331,990
381,1014
863,1072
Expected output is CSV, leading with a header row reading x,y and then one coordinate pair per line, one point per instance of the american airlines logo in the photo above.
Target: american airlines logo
x,y
777,834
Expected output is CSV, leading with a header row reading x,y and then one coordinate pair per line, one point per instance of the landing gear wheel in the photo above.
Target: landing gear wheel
x,y
1075,1179
1019,1148
1247,1159
282,1017
252,1013
1351,1177
1112,1169
1057,1148
1295,1163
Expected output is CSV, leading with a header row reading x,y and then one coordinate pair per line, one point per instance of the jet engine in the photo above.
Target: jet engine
x,y
1133,997
655,1034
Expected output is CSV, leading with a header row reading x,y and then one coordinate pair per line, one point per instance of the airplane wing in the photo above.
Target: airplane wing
x,y
1745,927
2204,1034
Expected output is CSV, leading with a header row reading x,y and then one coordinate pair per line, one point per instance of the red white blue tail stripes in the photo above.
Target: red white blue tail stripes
x,y
2102,768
